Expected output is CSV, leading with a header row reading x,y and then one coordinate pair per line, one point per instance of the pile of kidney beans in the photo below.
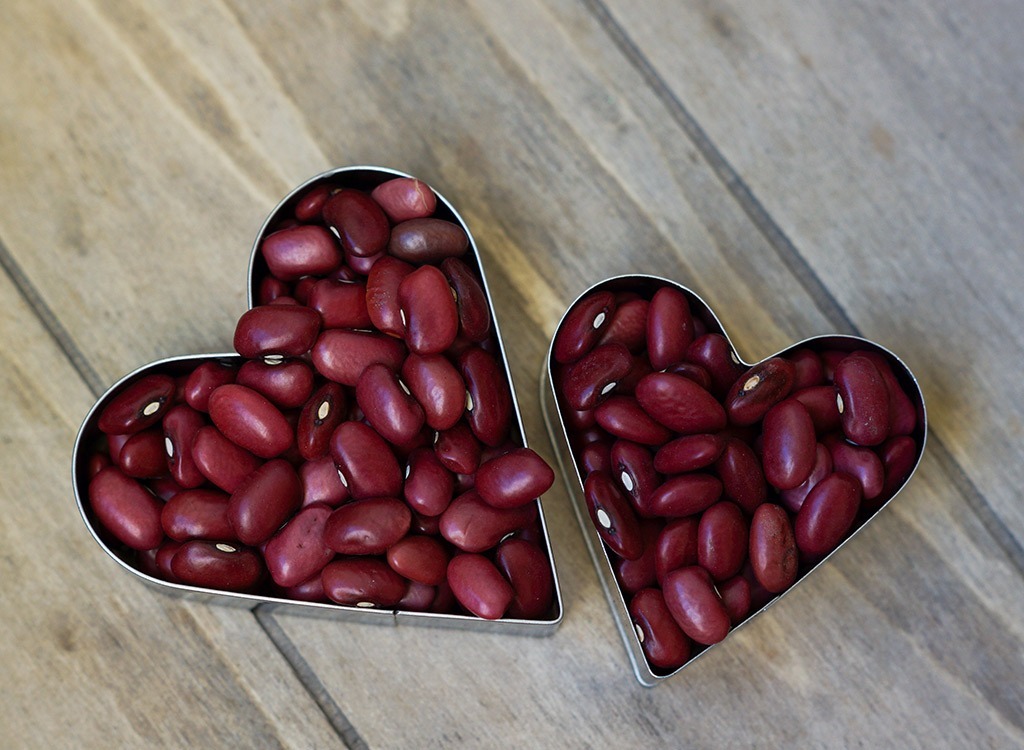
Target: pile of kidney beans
x,y
714,485
360,450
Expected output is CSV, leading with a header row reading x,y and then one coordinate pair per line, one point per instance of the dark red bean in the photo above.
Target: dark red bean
x,y
220,460
641,573
264,501
662,640
713,352
303,288
633,468
788,451
321,483
418,598
458,449
341,355
97,463
596,456
305,250
820,402
311,204
164,554
680,404
810,371
527,569
427,240
474,526
795,497
429,310
612,516
742,476
688,453
341,304
272,289
126,509
180,426
623,417
638,370
287,384
861,463
297,552
722,540
589,380
217,565
428,485
759,389
735,594
628,326
363,582
693,372
427,525
438,387
198,514
773,552
320,416
863,401
142,455
685,495
827,514
405,198
676,546
204,380
474,310
489,401
479,586
310,590
419,558
583,326
902,413
114,445
389,407
514,479
284,330
669,327
140,405
695,606
382,303
899,454
367,464
250,421
359,222
367,527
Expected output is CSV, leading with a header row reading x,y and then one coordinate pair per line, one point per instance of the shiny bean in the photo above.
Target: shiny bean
x,y
474,311
474,526
735,594
126,509
695,606
458,449
583,326
623,417
640,573
713,352
685,495
250,421
287,384
742,476
773,552
595,456
363,265
589,380
419,558
820,402
418,598
321,483
693,372
680,404
217,565
628,326
438,387
320,416
428,484
722,540
164,554
759,389
612,516
341,304
862,464
795,497
359,222
431,316
827,514
367,464
633,468
367,527
389,407
810,370
405,198
220,460
204,380
304,250
142,455
311,204
527,569
676,546
427,240
180,426
198,514
264,501
899,454
788,452
902,412
863,401
114,445
662,640
514,479
97,463
489,401
669,327
138,406
285,330
479,586
310,590
271,289
639,369
382,295
688,453
364,582
341,355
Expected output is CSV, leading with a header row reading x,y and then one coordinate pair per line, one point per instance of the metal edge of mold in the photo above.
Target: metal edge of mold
x,y
561,447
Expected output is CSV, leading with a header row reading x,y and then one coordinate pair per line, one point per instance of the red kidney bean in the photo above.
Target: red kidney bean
x,y
514,479
438,388
267,498
405,198
427,525
217,565
389,407
795,497
474,311
142,455
526,567
474,526
287,384
284,301
633,468
164,554
788,452
303,287
628,326
284,330
612,516
827,514
365,461
180,426
773,551
419,558
311,204
899,454
742,476
489,401
583,326
367,527
679,404
321,483
140,405
342,355
220,460
271,289
320,416
640,573
310,590
305,250
639,369
418,598
444,599
623,417
429,310
428,485
676,546
479,586
810,371
669,327
250,421
382,295
198,514
114,445
589,380
596,456
820,402
359,222
97,463
713,352
662,640
863,400
363,582
363,265
427,240
204,380
862,464
722,540
341,304
903,414
735,594
126,509
695,606
458,449
759,389
693,372
688,453
685,495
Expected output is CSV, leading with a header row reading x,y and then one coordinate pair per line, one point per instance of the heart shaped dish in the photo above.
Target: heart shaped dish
x,y
707,487
360,456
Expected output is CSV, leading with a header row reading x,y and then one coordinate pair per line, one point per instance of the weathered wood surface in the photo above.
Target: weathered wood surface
x,y
142,144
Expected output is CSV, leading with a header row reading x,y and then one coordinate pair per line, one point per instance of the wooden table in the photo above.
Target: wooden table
x,y
807,167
